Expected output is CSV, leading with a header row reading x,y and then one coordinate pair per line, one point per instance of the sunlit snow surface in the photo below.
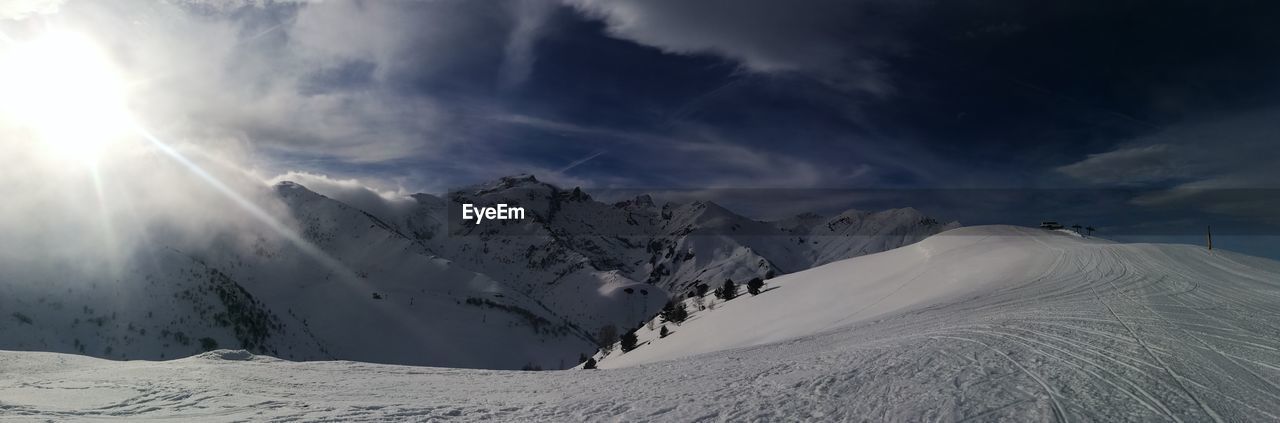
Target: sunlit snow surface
x,y
984,323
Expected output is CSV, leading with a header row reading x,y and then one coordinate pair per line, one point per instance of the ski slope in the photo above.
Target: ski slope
x,y
981,323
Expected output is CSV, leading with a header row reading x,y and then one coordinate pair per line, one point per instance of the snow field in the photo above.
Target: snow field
x,y
984,323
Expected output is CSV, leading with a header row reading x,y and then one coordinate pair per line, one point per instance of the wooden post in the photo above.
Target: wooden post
x,y
1208,236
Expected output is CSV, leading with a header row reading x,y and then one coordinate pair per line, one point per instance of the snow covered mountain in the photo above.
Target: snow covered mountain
x,y
570,236
991,323
411,285
355,288
171,306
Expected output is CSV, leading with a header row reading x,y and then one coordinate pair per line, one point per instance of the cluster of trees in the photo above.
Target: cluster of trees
x,y
729,290
605,339
608,335
674,311
628,341
208,344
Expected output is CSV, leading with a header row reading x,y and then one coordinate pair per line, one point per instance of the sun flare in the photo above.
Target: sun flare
x,y
62,88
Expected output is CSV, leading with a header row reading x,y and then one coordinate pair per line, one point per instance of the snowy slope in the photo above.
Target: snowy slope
x,y
166,307
984,323
955,265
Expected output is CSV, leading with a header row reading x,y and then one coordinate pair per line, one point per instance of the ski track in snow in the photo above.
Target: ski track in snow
x,y
1103,332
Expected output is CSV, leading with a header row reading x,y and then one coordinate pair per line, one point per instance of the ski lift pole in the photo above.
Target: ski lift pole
x,y
1208,237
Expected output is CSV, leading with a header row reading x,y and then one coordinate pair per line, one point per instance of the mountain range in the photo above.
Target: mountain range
x,y
413,284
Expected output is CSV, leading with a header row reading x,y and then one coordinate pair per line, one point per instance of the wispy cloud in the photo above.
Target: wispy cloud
x,y
837,41
530,16
1135,166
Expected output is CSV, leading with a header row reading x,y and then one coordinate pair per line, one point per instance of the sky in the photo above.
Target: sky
x,y
1167,103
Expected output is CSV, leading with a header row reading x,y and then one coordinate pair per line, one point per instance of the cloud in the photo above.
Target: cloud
x,y
412,92
62,213
406,42
518,56
562,127
1224,165
1231,151
329,82
1133,166
204,76
241,89
382,203
22,9
740,166
838,41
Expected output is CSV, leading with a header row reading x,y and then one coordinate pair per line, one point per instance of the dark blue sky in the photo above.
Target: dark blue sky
x,y
962,94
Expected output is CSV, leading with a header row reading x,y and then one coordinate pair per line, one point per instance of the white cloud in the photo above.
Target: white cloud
x,y
838,41
321,81
1235,151
22,9
382,203
518,58
91,219
1130,166
235,91
1226,165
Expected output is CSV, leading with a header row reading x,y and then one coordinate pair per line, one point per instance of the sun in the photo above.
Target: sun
x,y
63,88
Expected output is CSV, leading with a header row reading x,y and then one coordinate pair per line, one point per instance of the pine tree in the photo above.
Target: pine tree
x,y
754,285
674,312
589,364
729,291
664,332
702,289
606,337
208,344
629,341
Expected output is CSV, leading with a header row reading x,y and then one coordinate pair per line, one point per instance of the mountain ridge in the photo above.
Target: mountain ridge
x,y
404,283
